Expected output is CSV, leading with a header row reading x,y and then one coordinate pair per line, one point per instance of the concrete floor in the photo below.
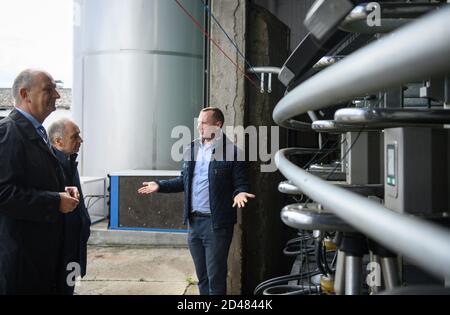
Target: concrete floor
x,y
138,270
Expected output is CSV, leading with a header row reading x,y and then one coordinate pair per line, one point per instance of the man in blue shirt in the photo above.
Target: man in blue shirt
x,y
214,182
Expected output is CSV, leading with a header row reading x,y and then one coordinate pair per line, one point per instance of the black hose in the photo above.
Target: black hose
x,y
318,255
282,280
326,266
296,249
291,290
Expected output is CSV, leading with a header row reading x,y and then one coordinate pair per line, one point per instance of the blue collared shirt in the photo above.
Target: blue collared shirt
x,y
200,181
34,122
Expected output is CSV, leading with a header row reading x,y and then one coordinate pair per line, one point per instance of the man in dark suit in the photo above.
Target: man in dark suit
x,y
33,197
214,181
65,137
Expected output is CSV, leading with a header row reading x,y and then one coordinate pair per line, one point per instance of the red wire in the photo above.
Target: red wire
x,y
212,40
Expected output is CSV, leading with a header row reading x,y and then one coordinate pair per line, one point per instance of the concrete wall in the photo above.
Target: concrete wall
x,y
292,13
256,251
227,82
227,92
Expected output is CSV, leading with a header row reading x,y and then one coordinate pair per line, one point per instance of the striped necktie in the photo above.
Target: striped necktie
x,y
43,134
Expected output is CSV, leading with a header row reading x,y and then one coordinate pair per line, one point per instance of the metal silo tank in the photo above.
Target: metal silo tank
x,y
138,72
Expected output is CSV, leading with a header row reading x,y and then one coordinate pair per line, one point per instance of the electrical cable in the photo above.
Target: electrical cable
x,y
341,161
207,35
280,280
299,289
346,153
208,10
337,145
305,242
295,249
318,254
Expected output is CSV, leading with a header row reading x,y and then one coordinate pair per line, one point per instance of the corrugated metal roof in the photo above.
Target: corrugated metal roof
x,y
7,101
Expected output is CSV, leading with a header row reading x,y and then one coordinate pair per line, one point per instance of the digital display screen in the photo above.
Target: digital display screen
x,y
391,165
391,162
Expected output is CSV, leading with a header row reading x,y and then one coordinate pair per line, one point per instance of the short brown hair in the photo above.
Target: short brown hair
x,y
217,113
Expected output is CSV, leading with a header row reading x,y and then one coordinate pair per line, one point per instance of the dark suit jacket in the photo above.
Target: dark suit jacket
x,y
30,223
77,223
227,178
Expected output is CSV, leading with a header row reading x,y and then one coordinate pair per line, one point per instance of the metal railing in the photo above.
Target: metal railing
x,y
263,70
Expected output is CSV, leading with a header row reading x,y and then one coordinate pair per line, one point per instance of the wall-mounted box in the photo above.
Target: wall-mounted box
x,y
154,212
417,172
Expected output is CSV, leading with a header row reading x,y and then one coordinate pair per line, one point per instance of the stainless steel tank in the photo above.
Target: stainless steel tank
x,y
138,73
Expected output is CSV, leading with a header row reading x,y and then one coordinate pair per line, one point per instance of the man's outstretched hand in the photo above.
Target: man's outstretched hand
x,y
241,199
148,188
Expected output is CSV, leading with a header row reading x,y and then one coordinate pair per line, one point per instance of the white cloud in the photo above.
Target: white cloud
x,y
36,34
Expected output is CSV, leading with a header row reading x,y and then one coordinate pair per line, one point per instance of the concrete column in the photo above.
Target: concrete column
x,y
227,85
226,81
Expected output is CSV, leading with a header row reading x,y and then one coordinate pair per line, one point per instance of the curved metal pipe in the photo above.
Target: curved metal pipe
x,y
393,16
327,61
389,116
390,61
332,126
339,127
288,188
311,218
273,70
426,244
398,11
356,21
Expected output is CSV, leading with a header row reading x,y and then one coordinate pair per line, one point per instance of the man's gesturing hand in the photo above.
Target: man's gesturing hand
x,y
67,203
241,199
148,188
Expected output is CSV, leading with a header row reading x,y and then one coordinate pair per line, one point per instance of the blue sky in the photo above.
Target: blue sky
x,y
36,34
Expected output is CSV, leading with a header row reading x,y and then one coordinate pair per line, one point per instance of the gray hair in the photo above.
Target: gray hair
x,y
57,129
23,80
